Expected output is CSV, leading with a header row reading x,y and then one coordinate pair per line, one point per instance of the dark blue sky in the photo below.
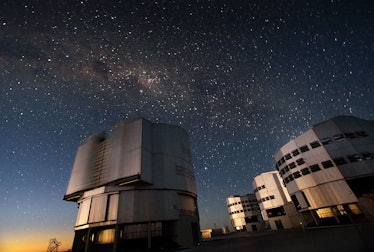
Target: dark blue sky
x,y
242,77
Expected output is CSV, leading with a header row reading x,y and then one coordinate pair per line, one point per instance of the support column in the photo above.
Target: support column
x,y
149,235
86,248
116,238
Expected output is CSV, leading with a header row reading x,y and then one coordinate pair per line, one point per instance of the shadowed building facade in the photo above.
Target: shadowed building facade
x,y
244,213
329,171
135,187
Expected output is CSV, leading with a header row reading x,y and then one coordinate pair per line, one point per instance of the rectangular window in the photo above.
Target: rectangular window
x,y
292,165
286,169
354,158
300,161
288,156
326,141
367,155
361,133
325,212
296,174
327,164
315,144
290,178
272,197
286,180
350,135
295,152
304,148
314,168
305,171
338,137
339,161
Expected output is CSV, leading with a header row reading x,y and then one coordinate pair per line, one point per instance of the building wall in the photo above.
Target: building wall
x,y
329,166
244,213
276,206
136,178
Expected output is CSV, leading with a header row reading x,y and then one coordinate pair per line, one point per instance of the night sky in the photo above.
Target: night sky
x,y
242,77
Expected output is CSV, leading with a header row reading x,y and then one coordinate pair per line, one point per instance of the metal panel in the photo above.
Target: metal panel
x,y
84,210
98,209
112,207
82,177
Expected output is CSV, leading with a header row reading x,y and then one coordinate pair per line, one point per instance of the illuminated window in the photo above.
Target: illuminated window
x,y
105,236
325,212
354,209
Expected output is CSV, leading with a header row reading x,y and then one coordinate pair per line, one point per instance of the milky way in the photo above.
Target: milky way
x,y
242,77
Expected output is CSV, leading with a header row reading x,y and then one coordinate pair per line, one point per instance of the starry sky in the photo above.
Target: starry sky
x,y
242,77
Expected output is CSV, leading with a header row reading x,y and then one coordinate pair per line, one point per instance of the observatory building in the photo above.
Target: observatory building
x,y
329,171
135,188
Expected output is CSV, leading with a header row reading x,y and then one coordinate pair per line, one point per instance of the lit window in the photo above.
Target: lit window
x,y
304,148
325,212
327,164
354,209
315,168
315,144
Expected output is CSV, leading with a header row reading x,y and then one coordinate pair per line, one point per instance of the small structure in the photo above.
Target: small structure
x,y
244,213
275,203
53,245
210,233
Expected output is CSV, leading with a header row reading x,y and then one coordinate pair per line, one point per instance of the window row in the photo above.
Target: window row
x,y
297,152
292,165
266,198
259,188
244,210
305,171
343,136
316,144
357,157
